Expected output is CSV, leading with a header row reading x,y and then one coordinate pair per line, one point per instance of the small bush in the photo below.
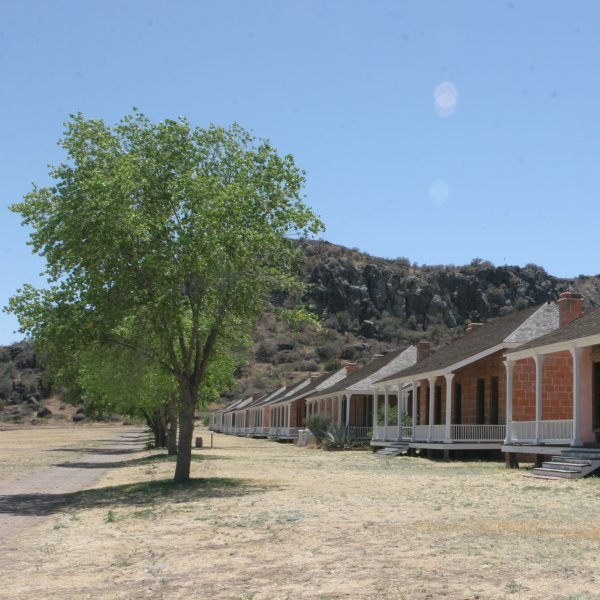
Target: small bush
x,y
332,365
318,425
339,437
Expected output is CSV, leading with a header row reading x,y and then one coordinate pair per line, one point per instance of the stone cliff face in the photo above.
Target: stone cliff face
x,y
364,293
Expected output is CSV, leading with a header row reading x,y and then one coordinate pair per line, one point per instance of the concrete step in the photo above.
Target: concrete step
x,y
390,451
562,466
572,461
556,473
578,462
579,454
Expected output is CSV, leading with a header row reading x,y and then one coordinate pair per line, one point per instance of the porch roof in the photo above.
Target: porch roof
x,y
314,385
498,334
583,331
362,380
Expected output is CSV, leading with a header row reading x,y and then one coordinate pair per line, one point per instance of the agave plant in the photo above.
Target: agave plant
x,y
339,436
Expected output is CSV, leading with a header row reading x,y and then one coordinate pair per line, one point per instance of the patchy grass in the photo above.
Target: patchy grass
x,y
269,521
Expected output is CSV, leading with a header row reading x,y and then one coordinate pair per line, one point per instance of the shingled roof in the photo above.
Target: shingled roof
x,y
506,332
363,379
316,384
585,326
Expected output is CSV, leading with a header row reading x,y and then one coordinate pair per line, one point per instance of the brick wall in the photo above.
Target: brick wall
x,y
467,377
557,388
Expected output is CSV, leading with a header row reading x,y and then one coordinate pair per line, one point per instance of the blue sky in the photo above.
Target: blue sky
x,y
505,167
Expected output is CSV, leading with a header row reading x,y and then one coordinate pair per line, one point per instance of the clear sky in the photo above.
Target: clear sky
x,y
435,130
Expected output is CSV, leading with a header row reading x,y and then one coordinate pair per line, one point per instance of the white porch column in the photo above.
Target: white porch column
x,y
374,419
431,405
386,411
448,430
539,377
289,415
509,365
348,396
400,410
339,410
414,409
577,437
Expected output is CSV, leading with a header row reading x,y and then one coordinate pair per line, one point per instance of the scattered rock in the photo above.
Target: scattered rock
x,y
33,399
78,417
44,411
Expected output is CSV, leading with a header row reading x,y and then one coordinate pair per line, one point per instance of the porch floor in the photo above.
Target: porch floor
x,y
535,448
443,446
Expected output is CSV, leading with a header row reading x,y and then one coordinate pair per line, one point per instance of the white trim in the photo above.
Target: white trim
x,y
581,342
450,368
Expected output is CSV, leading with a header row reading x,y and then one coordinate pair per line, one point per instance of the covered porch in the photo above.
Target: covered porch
x,y
554,395
350,410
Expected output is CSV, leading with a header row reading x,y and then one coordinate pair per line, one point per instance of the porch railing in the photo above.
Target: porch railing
x,y
478,433
360,433
555,431
390,433
460,433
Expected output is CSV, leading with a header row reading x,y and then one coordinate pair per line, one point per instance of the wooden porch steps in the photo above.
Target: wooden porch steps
x,y
394,449
571,464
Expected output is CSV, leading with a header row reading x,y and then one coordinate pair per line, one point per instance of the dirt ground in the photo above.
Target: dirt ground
x,y
263,520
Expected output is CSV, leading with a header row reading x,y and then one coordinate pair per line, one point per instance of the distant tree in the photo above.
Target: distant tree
x,y
163,228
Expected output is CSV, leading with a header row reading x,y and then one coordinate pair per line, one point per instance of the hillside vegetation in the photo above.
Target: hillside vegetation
x,y
371,305
367,305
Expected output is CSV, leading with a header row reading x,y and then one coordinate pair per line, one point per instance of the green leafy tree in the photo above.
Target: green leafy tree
x,y
167,229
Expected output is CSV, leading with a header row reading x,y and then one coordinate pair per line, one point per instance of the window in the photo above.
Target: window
x,y
457,403
494,401
438,405
480,401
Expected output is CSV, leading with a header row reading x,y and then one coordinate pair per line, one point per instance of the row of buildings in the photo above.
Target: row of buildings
x,y
527,383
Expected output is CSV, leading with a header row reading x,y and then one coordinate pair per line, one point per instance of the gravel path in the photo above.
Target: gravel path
x,y
25,502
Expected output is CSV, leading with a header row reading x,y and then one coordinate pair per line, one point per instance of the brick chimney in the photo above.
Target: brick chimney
x,y
570,306
351,368
257,395
423,350
473,326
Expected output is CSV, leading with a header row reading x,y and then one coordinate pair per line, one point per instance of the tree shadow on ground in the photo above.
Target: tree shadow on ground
x,y
102,451
135,494
135,462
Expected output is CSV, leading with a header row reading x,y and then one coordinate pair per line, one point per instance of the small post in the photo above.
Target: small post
x,y
211,441
198,442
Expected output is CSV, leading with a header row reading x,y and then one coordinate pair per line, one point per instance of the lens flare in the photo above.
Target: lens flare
x,y
445,99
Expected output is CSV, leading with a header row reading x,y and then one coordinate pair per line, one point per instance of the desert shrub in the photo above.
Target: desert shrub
x,y
318,426
306,365
338,437
329,350
266,351
332,365
521,303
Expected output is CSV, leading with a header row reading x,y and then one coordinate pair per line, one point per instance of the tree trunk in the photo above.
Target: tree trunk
x,y
172,435
161,419
186,430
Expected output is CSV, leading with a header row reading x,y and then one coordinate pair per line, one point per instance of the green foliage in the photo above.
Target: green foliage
x,y
339,437
392,415
332,365
166,241
318,425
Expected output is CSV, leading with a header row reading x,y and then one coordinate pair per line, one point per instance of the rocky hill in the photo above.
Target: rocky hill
x,y
366,304
369,304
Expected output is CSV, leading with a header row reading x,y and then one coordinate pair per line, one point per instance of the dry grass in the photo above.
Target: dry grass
x,y
268,521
